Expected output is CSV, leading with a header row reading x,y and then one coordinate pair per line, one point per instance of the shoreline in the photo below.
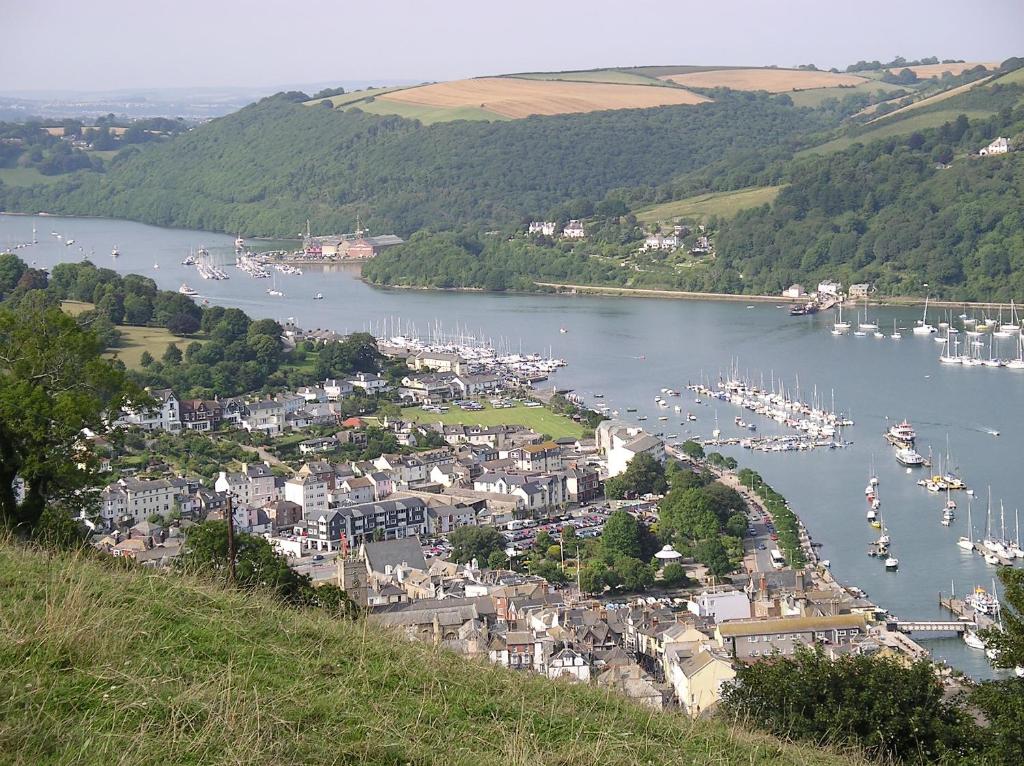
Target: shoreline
x,y
641,292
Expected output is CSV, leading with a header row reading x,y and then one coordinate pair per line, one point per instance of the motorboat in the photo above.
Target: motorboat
x,y
973,640
892,563
318,297
909,457
186,290
901,434
115,252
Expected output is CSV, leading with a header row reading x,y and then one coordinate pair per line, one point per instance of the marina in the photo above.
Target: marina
x,y
629,348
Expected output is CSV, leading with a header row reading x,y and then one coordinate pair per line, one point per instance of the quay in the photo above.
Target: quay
x,y
966,613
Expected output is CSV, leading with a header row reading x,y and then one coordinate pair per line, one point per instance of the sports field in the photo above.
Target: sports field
x,y
540,419
724,204
771,80
516,98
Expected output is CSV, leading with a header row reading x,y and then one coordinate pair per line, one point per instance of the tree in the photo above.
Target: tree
x,y
642,476
1008,641
621,535
478,543
633,574
378,534
183,324
542,542
592,578
674,575
53,384
256,563
712,554
693,450
172,355
145,359
498,560
892,711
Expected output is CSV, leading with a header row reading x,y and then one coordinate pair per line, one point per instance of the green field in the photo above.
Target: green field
x,y
1016,77
813,97
25,177
104,664
724,204
540,419
616,76
896,128
356,95
428,115
134,340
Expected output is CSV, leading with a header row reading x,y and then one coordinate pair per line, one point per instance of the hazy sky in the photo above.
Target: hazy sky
x,y
108,44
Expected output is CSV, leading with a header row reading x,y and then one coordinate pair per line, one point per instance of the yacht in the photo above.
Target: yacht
x,y
186,290
973,640
840,326
892,563
948,516
115,252
896,334
274,292
190,260
908,457
901,434
318,297
867,324
922,327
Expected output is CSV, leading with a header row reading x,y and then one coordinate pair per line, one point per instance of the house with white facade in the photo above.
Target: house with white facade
x,y
164,415
136,500
568,663
369,382
574,230
308,491
254,485
999,146
267,416
620,443
544,228
335,390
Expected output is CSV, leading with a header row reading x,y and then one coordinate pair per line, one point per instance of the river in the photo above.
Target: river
x,y
629,348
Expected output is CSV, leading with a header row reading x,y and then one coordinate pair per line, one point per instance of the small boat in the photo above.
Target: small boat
x,y
909,457
896,334
273,292
562,330
156,265
318,297
186,290
973,640
239,243
115,252
892,563
630,409
69,242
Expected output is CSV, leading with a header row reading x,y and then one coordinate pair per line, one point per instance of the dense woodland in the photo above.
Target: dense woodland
x,y
267,168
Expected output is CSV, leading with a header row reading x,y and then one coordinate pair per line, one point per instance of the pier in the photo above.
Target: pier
x,y
966,614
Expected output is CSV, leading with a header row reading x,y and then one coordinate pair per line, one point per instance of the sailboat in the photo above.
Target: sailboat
x,y
949,354
716,432
273,291
867,324
896,334
922,327
966,542
1014,547
1018,363
839,327
115,252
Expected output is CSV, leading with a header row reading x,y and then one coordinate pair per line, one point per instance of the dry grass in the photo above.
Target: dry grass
x,y
521,98
927,71
771,80
101,664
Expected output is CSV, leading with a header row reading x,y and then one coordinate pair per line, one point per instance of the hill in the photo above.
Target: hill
x,y
101,664
267,168
701,206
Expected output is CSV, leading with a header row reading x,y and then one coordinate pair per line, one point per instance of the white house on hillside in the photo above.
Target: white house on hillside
x,y
620,443
999,146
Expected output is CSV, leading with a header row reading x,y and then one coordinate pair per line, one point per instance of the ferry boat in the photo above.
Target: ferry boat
x,y
908,457
186,290
901,434
982,602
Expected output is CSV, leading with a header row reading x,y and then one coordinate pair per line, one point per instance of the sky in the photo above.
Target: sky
x,y
116,44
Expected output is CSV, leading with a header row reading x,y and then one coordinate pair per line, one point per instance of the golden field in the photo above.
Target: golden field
x,y
514,98
926,71
771,80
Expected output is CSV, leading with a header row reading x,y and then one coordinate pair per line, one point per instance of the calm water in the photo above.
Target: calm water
x,y
628,349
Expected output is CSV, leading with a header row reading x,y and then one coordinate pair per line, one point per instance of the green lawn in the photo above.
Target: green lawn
x,y
896,128
1016,77
134,340
104,663
815,96
356,95
724,204
428,115
540,419
25,177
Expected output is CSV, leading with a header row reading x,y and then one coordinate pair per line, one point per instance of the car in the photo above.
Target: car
x,y
762,547
318,557
774,536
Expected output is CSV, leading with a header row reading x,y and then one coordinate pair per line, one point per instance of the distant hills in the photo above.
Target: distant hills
x,y
664,144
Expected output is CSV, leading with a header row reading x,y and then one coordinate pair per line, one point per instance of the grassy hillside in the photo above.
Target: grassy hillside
x,y
540,419
99,665
723,204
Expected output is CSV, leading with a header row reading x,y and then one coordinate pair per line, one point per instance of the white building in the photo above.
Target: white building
x,y
721,605
165,415
569,663
999,146
308,492
574,230
794,291
137,499
620,443
659,242
698,679
336,389
546,228
370,382
828,287
254,485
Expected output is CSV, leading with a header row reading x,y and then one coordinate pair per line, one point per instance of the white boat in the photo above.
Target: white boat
x,y
872,514
318,297
186,290
115,252
239,242
973,640
156,265
69,242
892,563
840,326
922,327
908,457
896,334
867,324
901,434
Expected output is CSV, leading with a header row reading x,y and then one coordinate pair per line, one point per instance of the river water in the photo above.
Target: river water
x,y
629,348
